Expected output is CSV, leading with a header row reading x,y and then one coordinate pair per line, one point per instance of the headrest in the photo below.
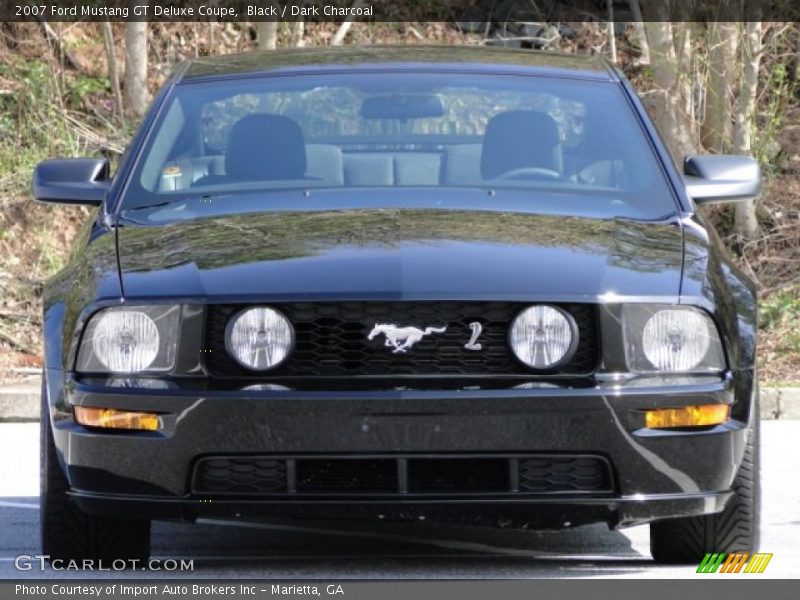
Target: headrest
x,y
519,139
265,147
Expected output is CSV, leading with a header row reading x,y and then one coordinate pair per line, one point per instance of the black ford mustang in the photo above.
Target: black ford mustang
x,y
462,284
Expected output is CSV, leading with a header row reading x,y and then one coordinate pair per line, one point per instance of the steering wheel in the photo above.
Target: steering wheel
x,y
532,173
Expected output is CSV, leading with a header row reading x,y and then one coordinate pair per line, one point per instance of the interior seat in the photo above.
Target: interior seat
x,y
520,139
462,165
325,164
262,147
417,168
368,169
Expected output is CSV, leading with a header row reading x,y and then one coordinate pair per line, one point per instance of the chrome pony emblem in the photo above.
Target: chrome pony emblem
x,y
402,338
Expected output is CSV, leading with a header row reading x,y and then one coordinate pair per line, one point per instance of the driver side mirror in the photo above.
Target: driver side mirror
x,y
71,181
722,178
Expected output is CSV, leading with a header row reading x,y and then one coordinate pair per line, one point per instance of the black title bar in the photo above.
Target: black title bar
x,y
469,12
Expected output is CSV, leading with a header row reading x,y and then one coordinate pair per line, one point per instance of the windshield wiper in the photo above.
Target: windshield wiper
x,y
154,205
171,201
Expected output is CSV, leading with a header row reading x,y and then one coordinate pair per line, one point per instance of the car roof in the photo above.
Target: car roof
x,y
418,58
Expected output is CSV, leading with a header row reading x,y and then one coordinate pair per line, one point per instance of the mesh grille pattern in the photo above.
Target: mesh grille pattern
x,y
241,475
411,475
332,339
563,474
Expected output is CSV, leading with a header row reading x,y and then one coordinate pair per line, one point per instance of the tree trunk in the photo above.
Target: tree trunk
x,y
746,221
671,119
136,67
717,127
267,33
113,72
612,40
797,54
641,37
299,33
340,34
682,31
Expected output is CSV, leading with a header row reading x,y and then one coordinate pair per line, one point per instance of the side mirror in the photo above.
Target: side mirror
x,y
71,181
721,178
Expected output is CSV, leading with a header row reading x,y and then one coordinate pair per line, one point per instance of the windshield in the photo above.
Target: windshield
x,y
237,137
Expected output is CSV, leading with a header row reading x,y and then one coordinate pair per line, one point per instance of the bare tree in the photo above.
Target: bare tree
x,y
113,72
267,34
299,32
55,39
136,66
717,126
796,67
750,52
340,34
612,40
672,79
641,37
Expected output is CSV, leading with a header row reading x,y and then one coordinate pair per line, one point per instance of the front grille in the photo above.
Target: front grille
x,y
332,340
435,475
241,476
562,474
345,475
540,474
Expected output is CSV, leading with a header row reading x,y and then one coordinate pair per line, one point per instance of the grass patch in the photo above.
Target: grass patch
x,y
780,337
781,312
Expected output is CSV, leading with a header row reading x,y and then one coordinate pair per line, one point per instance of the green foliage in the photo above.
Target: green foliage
x,y
781,313
778,93
31,126
780,308
82,87
50,258
47,114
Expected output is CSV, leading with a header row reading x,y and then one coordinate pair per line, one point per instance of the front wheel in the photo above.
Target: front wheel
x,y
69,534
735,529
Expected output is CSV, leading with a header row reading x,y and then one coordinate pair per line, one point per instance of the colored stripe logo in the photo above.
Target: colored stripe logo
x,y
737,562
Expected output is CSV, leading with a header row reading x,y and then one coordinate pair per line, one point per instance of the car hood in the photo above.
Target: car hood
x,y
411,252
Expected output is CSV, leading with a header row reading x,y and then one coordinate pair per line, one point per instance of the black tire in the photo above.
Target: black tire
x,y
69,534
735,529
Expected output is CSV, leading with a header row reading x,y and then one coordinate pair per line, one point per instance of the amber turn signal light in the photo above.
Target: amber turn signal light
x,y
111,418
687,416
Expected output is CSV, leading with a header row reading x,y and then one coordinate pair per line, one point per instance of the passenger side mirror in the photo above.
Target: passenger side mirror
x,y
721,178
71,181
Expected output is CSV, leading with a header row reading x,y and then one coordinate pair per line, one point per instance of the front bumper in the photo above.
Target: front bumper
x,y
656,474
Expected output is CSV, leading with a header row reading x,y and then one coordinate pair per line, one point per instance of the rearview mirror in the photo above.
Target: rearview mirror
x,y
71,181
402,106
721,178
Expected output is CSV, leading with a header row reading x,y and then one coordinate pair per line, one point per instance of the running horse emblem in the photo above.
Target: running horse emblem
x,y
402,338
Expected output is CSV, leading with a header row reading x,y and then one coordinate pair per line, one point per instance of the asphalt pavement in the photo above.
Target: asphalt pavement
x,y
334,551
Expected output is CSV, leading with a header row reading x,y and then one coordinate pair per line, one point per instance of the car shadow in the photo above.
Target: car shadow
x,y
313,549
304,549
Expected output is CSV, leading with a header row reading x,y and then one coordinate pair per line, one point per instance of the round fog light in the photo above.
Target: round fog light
x,y
543,337
259,338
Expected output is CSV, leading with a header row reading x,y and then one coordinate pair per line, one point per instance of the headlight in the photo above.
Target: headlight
x,y
259,338
674,339
130,339
543,337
